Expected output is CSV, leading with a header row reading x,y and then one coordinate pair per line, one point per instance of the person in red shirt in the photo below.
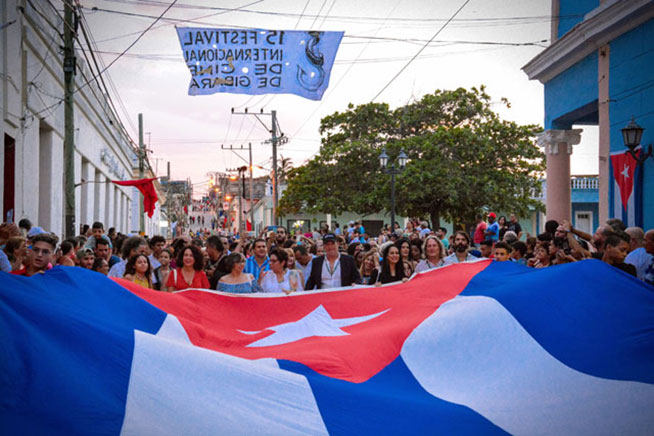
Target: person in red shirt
x,y
480,230
42,251
189,272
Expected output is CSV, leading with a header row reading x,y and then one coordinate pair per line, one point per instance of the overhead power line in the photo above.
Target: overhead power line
x,y
429,22
125,35
349,18
138,38
421,50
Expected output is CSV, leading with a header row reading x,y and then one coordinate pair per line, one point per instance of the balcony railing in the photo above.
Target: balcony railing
x,y
585,183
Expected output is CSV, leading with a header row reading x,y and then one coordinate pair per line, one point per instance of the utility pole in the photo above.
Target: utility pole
x,y
241,214
141,174
70,26
274,162
277,138
250,165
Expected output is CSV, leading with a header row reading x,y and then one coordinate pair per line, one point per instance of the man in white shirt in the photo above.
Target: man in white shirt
x,y
332,270
638,256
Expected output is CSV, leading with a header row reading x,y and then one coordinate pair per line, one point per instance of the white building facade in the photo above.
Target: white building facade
x,y
31,103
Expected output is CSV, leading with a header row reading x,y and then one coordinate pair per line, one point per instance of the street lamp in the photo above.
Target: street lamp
x,y
631,135
401,163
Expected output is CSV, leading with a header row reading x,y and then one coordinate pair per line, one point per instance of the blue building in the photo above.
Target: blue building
x,y
599,71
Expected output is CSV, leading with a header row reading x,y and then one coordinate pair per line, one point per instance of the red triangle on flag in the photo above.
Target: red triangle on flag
x,y
624,169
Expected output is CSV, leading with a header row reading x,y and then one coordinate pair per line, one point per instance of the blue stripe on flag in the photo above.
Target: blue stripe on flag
x,y
593,321
391,402
84,388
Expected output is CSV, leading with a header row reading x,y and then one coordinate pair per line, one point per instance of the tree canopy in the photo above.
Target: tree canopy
x,y
462,157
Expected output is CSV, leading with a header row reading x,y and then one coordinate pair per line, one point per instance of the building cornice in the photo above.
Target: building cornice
x,y
601,25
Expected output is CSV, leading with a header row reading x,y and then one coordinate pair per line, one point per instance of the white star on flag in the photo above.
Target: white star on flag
x,y
625,171
317,323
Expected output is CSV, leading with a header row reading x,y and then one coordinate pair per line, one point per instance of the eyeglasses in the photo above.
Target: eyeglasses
x,y
42,251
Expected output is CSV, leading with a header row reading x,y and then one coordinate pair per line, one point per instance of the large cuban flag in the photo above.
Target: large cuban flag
x,y
478,348
626,189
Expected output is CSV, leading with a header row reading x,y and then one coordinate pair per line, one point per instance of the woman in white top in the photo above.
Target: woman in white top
x,y
434,254
280,278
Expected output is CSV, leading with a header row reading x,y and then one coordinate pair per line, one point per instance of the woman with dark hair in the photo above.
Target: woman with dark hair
x,y
100,265
236,281
404,246
188,273
354,248
66,254
139,270
392,269
501,221
162,272
416,252
279,278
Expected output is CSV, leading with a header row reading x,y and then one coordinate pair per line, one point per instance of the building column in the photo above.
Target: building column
x,y
87,193
109,204
604,131
124,218
115,221
26,194
100,190
78,191
558,148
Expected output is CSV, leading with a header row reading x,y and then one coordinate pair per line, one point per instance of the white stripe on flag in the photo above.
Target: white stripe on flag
x,y
473,352
617,202
176,388
631,209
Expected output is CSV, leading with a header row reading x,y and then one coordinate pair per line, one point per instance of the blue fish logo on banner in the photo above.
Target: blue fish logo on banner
x,y
257,61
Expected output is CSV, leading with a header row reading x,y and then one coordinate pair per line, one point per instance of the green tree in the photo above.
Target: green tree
x,y
462,157
284,166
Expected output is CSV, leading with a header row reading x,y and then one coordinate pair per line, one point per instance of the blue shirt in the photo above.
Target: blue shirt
x,y
495,227
252,267
5,265
649,273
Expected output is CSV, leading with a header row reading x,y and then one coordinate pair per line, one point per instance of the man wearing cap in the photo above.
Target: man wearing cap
x,y
493,229
424,229
333,269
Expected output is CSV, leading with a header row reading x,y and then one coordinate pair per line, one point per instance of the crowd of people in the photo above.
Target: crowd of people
x,y
280,262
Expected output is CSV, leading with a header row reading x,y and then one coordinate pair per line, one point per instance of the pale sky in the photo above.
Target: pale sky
x,y
189,130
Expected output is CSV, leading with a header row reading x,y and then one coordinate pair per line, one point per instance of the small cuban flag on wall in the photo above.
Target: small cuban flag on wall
x,y
626,199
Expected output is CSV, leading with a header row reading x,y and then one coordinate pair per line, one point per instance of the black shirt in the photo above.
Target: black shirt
x,y
627,267
219,271
386,277
514,227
